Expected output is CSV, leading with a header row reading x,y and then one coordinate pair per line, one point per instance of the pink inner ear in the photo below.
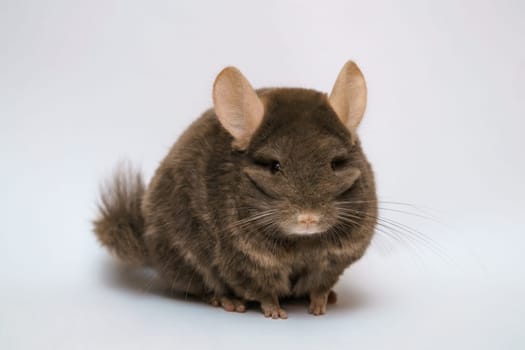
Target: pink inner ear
x,y
237,105
348,96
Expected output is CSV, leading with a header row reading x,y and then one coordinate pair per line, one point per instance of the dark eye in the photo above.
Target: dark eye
x,y
275,166
267,163
338,163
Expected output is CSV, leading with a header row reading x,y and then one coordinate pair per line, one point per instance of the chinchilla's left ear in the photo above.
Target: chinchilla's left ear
x,y
348,96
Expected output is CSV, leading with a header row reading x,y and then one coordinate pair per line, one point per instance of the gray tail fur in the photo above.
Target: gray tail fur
x,y
120,224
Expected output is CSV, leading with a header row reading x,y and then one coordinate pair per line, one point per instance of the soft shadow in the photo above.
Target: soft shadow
x,y
138,280
144,281
349,299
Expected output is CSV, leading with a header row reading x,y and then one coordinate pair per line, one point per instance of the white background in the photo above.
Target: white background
x,y
84,84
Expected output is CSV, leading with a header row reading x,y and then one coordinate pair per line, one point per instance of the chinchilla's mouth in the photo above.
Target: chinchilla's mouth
x,y
301,229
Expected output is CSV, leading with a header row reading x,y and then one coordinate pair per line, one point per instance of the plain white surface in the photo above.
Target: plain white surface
x,y
84,84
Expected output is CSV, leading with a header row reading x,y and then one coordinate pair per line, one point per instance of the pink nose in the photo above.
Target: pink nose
x,y
308,218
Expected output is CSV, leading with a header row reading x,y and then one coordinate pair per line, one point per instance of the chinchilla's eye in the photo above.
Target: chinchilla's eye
x,y
338,163
275,166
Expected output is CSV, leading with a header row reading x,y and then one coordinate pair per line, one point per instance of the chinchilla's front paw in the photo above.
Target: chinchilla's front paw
x,y
272,309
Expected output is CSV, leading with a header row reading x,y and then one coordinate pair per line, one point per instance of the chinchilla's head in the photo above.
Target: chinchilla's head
x,y
303,171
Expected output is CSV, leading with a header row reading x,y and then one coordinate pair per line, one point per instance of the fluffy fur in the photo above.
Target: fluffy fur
x,y
213,221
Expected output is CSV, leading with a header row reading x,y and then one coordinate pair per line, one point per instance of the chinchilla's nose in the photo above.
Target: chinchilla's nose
x,y
307,218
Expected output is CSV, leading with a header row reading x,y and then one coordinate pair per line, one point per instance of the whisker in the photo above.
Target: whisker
x,y
409,213
409,244
417,235
383,244
397,203
399,231
400,226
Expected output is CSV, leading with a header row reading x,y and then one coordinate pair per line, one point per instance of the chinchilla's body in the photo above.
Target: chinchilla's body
x,y
266,196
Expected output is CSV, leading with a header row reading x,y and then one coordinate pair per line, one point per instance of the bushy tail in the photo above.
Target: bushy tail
x,y
120,224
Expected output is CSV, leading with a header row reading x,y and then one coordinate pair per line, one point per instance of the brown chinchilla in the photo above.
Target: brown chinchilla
x,y
266,196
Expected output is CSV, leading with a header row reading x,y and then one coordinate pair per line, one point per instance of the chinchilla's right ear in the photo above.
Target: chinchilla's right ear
x,y
237,106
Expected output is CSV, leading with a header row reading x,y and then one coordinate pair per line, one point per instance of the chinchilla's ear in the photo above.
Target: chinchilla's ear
x,y
237,106
348,96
